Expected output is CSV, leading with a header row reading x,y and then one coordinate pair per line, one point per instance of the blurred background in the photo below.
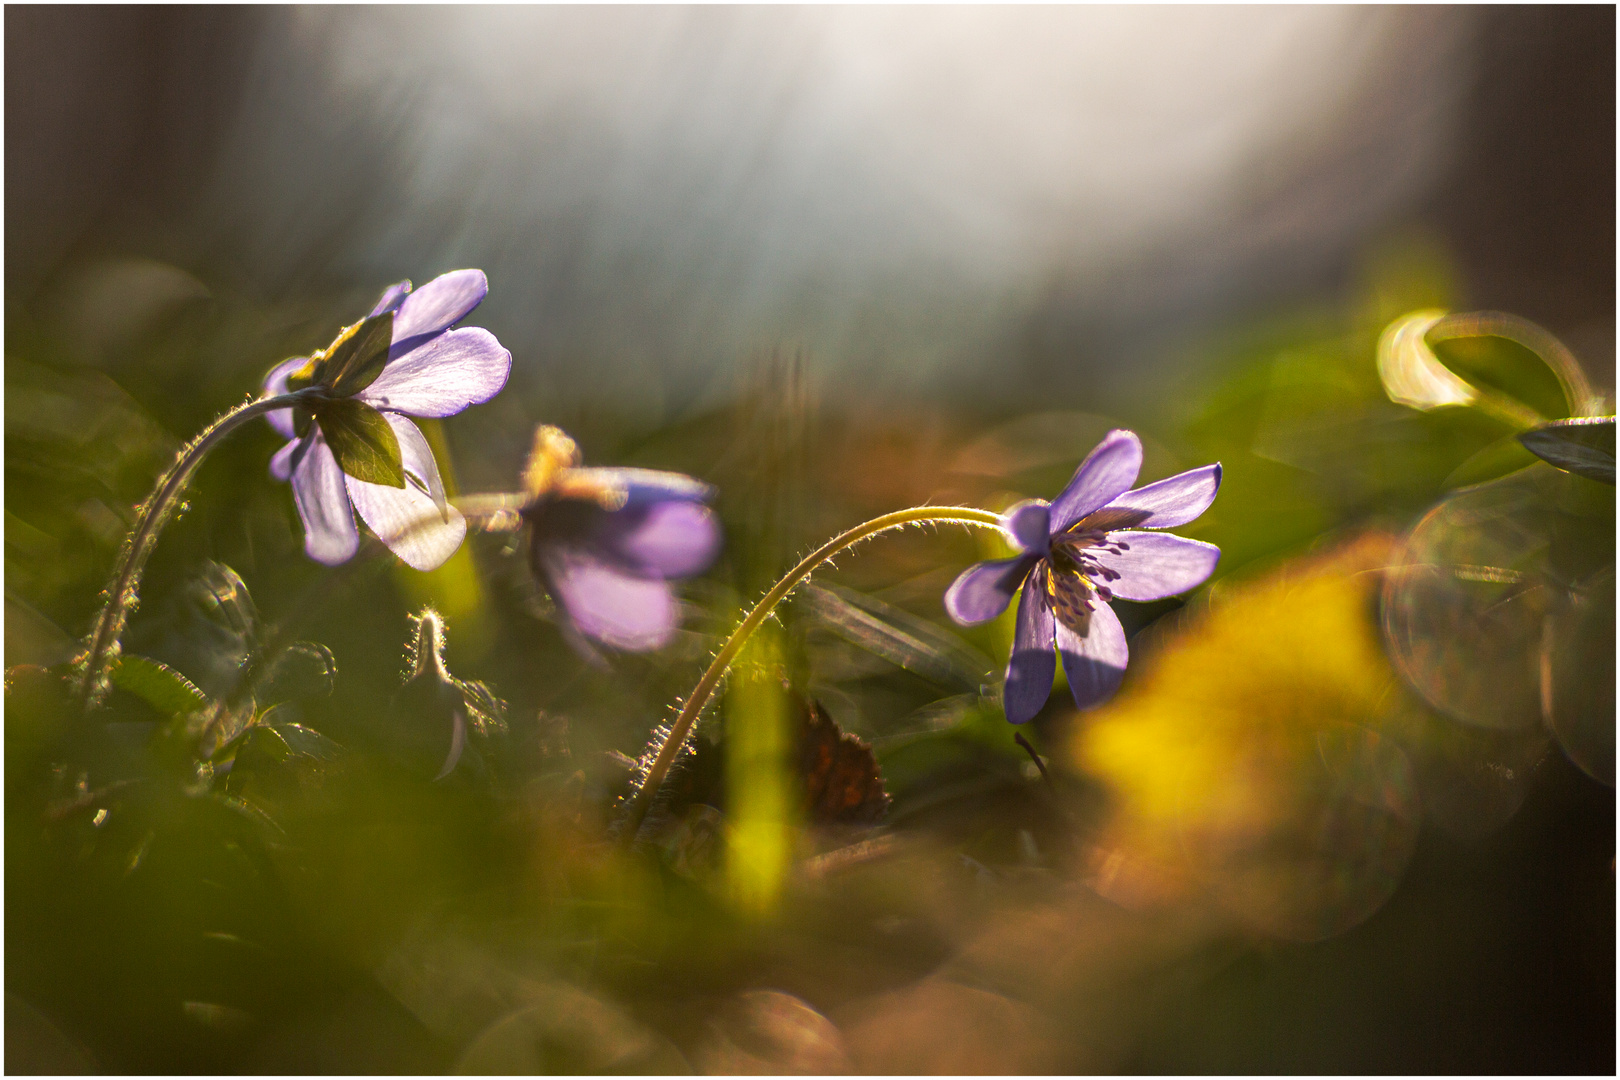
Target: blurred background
x,y
969,201
837,261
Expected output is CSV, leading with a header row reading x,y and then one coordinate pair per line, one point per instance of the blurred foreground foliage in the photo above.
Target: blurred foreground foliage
x,y
245,862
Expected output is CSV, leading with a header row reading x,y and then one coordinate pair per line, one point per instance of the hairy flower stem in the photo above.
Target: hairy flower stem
x,y
642,799
123,594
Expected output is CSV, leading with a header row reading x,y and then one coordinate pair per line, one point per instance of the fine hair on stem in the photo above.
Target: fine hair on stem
x,y
671,743
123,595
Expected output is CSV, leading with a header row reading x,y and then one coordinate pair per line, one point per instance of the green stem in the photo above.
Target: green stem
x,y
642,799
123,594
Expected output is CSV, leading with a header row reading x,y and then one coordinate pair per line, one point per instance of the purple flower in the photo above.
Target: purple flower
x,y
605,543
1079,552
402,360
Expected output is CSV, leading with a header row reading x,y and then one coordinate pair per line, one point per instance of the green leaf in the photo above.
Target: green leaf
x,y
359,354
1520,371
260,746
306,669
365,446
228,725
219,595
307,742
1584,445
159,685
268,748
898,637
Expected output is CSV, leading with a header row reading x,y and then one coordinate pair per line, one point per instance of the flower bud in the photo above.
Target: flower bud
x,y
428,715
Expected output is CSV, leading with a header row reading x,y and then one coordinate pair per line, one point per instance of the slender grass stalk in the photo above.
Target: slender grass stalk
x,y
123,594
642,799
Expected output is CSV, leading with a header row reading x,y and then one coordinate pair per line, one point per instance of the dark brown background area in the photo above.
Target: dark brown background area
x,y
1529,205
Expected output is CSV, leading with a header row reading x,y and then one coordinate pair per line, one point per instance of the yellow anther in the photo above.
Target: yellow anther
x,y
1071,597
552,454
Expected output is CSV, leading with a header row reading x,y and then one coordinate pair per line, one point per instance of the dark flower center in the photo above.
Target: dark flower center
x,y
1075,580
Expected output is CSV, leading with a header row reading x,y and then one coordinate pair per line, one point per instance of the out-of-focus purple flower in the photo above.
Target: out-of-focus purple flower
x,y
605,543
1080,551
429,370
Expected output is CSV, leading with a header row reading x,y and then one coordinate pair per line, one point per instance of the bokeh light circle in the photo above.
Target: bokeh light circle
x,y
1464,607
1340,821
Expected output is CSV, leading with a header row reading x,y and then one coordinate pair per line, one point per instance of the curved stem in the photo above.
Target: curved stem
x,y
123,594
728,652
1540,341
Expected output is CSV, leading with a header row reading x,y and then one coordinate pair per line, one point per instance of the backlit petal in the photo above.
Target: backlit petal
x,y
1156,565
654,485
1094,663
1030,670
439,304
275,384
416,456
669,539
442,377
1170,502
286,459
413,521
323,505
636,487
983,590
1030,524
391,298
1108,472
615,608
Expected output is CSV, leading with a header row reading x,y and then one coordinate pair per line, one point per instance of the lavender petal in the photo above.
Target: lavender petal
x,y
286,460
615,608
1094,663
323,505
1030,523
391,298
670,539
1169,502
1108,472
983,590
643,486
439,304
275,384
1032,666
414,522
1153,566
442,377
416,458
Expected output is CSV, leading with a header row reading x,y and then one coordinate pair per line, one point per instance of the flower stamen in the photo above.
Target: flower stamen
x,y
551,455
